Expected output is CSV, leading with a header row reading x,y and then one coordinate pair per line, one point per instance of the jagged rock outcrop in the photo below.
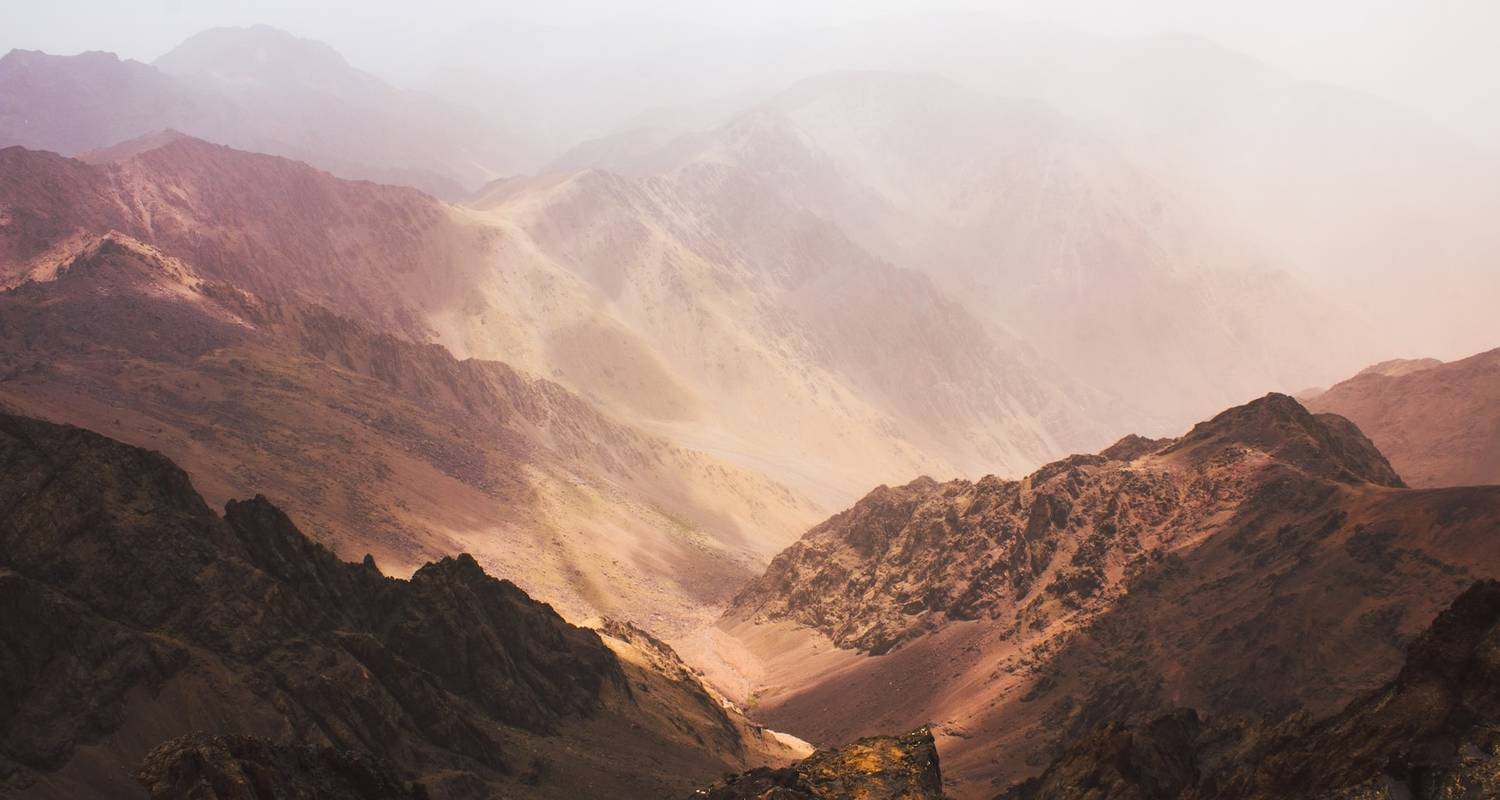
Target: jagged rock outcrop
x,y
1429,734
134,614
873,768
1265,563
905,560
1324,445
1131,447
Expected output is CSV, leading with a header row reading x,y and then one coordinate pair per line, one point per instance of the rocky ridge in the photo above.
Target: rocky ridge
x,y
136,615
905,560
1265,563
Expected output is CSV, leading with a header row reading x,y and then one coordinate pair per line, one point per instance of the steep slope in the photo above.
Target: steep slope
x,y
206,767
700,305
1438,422
75,103
1041,228
1335,185
257,89
1265,562
1428,733
381,445
777,337
135,614
268,225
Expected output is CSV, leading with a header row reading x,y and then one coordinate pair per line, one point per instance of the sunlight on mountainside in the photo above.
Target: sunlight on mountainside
x,y
820,400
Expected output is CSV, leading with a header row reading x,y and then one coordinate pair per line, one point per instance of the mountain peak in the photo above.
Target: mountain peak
x,y
1322,444
133,147
259,54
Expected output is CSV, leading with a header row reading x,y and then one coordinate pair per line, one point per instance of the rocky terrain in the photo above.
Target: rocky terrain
x,y
376,443
875,768
135,614
1429,733
720,406
1438,422
906,560
203,767
1268,561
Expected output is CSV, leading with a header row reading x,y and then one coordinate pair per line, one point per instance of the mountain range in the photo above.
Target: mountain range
x,y
258,89
1045,230
559,423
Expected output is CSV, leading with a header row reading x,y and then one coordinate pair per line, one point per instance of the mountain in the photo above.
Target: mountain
x,y
269,225
257,89
1438,422
1425,734
1041,228
566,278
774,335
1338,187
720,368
135,614
380,444
1267,561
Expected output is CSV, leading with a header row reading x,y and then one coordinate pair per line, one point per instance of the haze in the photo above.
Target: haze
x,y
969,376
1434,57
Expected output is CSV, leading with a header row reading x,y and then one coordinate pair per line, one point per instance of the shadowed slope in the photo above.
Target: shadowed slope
x,y
1439,423
1427,734
136,614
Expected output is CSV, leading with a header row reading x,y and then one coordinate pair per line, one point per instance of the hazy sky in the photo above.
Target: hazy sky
x,y
1436,56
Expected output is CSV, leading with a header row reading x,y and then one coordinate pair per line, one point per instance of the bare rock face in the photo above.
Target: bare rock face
x,y
873,768
1131,447
1325,445
906,560
205,767
1266,563
1429,734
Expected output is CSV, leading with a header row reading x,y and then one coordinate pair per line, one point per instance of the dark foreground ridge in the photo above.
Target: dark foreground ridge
x,y
1431,733
244,767
250,662
874,768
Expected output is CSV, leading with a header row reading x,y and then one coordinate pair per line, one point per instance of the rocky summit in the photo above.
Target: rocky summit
x,y
873,768
1267,562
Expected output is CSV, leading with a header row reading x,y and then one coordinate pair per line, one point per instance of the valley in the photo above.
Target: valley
x,y
923,407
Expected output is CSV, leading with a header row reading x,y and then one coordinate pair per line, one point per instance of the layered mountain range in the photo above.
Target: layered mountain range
x,y
1042,228
700,410
259,89
1268,561
529,455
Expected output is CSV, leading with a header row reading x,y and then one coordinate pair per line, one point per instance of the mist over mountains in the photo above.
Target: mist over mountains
x,y
937,405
